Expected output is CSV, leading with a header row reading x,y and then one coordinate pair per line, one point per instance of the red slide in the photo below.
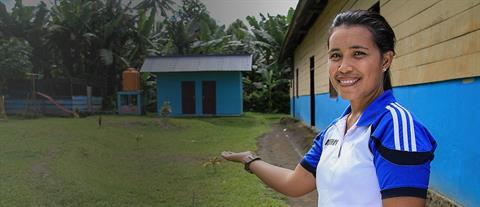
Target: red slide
x,y
51,100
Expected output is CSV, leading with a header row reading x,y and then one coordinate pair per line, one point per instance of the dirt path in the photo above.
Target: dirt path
x,y
284,147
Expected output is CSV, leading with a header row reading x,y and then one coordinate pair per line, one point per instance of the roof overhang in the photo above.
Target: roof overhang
x,y
197,63
305,15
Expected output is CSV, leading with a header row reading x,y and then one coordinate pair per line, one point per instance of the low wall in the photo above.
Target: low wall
x,y
44,106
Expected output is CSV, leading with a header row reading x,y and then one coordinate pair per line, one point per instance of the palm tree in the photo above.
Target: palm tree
x,y
163,5
191,30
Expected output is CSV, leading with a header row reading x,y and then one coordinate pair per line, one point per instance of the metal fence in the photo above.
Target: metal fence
x,y
58,88
70,94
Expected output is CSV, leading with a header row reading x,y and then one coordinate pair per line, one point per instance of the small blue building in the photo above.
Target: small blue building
x,y
199,85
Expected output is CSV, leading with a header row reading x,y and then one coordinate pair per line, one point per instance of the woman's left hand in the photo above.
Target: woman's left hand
x,y
236,156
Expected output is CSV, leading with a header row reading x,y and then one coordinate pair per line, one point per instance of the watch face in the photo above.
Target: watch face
x,y
249,158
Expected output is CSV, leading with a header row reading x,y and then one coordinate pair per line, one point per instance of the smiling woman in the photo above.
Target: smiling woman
x,y
376,146
356,65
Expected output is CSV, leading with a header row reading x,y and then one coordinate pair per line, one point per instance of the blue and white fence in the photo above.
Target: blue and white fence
x,y
75,103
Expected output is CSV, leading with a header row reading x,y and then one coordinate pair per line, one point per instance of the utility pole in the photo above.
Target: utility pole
x,y
3,115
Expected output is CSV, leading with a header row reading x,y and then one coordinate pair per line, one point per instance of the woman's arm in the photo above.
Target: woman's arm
x,y
292,183
404,202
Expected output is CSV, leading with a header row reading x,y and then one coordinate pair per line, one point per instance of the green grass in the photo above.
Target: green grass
x,y
130,161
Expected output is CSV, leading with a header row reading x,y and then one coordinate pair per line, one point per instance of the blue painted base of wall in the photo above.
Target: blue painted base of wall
x,y
326,109
451,112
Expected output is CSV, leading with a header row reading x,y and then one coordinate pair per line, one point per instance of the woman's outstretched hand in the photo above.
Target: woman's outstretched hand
x,y
236,156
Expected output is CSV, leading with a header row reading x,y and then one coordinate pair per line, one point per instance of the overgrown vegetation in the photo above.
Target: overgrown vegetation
x,y
14,60
130,161
98,39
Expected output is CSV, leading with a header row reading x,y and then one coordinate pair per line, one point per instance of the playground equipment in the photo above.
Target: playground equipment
x,y
51,100
75,95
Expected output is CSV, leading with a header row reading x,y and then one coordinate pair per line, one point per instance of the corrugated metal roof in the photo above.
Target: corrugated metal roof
x,y
197,63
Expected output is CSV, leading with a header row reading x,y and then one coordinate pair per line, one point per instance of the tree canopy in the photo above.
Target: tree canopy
x,y
98,39
15,60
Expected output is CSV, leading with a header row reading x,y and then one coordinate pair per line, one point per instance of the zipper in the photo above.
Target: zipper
x,y
340,150
343,139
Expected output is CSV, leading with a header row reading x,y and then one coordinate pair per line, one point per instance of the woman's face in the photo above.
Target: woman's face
x,y
355,63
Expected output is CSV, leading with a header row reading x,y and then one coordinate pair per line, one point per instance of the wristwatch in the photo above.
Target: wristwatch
x,y
249,159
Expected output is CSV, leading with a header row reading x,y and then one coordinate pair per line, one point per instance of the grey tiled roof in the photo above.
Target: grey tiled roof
x,y
197,63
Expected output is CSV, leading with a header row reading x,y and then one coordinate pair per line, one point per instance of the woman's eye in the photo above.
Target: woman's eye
x,y
334,56
358,53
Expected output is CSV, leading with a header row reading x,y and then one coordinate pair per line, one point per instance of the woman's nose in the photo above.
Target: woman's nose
x,y
345,67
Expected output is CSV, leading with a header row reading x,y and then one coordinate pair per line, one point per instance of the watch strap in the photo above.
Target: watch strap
x,y
249,159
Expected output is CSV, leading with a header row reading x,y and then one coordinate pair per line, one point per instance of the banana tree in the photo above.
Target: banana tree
x,y
164,6
268,35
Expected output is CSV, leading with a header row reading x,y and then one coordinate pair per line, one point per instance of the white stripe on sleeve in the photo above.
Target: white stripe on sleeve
x,y
412,128
395,127
404,127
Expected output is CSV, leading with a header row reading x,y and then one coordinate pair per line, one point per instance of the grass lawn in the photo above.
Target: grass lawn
x,y
130,161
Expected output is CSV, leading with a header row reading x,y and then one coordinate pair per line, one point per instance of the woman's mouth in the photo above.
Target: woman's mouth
x,y
348,82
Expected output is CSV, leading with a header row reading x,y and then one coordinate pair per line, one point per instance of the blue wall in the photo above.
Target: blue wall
x,y
326,109
18,106
229,100
451,111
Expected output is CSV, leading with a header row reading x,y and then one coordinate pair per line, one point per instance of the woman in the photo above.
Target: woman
x,y
375,153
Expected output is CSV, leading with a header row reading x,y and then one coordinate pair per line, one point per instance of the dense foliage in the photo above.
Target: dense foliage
x,y
15,60
98,39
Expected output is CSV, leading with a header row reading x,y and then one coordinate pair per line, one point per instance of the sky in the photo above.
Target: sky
x,y
224,11
227,11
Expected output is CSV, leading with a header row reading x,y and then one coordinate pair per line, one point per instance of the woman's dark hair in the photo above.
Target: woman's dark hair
x,y
382,33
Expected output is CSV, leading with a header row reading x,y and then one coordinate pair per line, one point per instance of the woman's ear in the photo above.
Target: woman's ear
x,y
387,59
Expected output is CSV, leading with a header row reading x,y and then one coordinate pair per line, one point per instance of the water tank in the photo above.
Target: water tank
x,y
131,80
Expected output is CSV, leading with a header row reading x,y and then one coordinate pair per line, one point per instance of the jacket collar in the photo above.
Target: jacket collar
x,y
374,110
